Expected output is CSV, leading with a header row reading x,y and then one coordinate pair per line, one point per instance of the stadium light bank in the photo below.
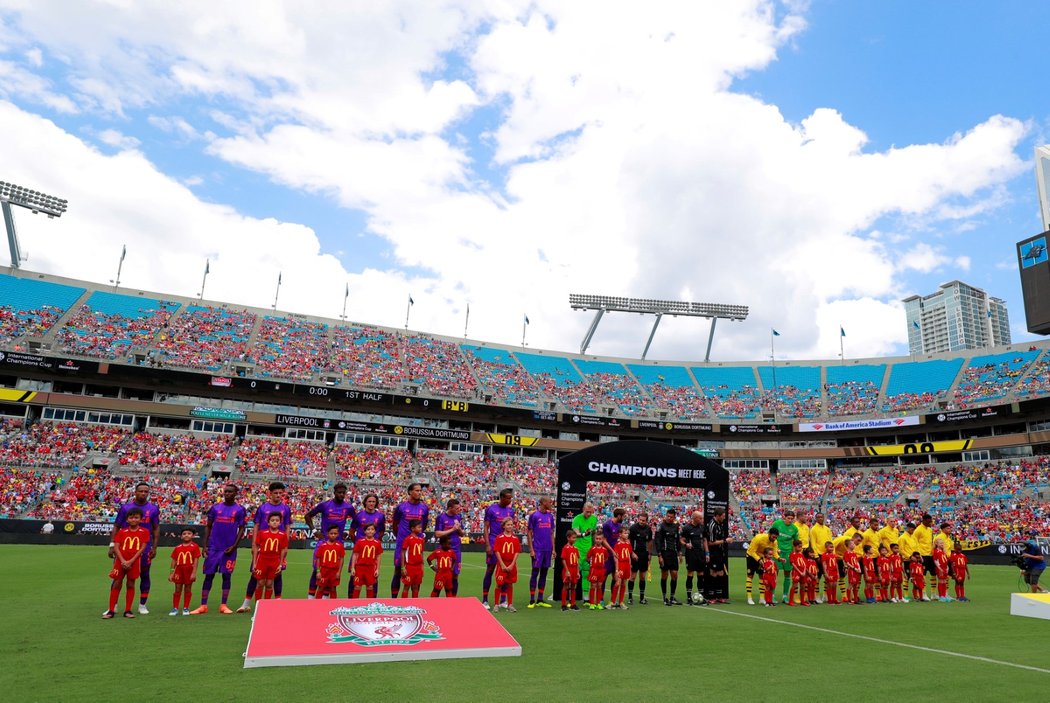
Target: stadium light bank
x,y
32,200
647,306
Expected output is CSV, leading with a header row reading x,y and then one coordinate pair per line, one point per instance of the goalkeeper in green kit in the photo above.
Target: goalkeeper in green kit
x,y
584,525
785,543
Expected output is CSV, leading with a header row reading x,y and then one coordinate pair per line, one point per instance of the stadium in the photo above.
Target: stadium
x,y
279,502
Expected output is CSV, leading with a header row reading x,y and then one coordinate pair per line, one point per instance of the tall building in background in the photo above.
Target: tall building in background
x,y
1042,180
957,316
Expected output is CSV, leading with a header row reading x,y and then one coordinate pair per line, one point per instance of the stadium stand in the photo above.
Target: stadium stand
x,y
438,367
853,390
842,483
887,485
991,377
291,347
500,374
59,445
108,325
1037,381
672,391
373,465
206,338
30,308
732,391
918,385
799,487
367,357
282,458
20,489
791,391
613,385
173,452
557,378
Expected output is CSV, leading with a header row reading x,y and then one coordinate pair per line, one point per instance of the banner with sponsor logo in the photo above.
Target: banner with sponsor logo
x,y
597,421
946,446
970,414
738,429
295,632
512,439
873,424
218,413
673,426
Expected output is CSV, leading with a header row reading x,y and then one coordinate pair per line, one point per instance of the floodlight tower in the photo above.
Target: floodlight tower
x,y
646,306
32,200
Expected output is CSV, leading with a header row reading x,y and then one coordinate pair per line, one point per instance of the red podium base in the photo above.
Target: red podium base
x,y
304,632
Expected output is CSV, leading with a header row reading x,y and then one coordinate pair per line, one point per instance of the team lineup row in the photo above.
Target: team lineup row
x,y
592,558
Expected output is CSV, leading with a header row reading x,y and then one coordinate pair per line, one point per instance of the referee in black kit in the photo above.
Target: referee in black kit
x,y
666,542
717,557
693,535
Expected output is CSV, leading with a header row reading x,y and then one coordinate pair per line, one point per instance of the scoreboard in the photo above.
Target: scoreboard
x,y
1033,261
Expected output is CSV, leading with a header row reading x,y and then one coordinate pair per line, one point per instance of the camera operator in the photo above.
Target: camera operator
x,y
1033,562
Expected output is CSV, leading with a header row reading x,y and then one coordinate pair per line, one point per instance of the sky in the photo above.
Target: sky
x,y
816,161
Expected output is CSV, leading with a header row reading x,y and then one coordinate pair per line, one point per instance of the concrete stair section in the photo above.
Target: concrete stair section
x,y
48,340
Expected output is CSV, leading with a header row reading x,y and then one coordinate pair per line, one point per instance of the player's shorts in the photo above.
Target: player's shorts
x,y
641,564
365,575
443,579
219,562
329,576
717,563
960,575
542,560
694,560
506,578
456,566
131,573
853,578
571,576
928,566
670,561
842,567
596,575
184,574
753,566
268,569
412,575
623,573
490,558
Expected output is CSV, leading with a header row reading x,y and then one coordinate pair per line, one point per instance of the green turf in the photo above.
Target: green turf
x,y
55,647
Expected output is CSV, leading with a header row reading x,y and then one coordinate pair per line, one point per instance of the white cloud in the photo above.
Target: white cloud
x,y
630,166
115,139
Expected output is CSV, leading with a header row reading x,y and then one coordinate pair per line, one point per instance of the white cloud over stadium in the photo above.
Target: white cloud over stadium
x,y
509,153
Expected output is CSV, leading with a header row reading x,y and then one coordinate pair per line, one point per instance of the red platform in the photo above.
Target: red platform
x,y
303,632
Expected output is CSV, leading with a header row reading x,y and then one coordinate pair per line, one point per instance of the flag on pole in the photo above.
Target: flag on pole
x,y
123,252
207,266
347,293
775,333
526,319
279,278
410,301
842,332
915,324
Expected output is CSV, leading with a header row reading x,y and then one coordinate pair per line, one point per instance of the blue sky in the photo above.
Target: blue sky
x,y
507,155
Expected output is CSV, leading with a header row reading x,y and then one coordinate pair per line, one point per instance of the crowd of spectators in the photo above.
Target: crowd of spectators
x,y
1037,382
742,403
438,367
852,398
505,379
994,481
792,402
367,357
842,483
475,470
96,334
173,452
37,322
206,338
284,458
801,486
22,488
911,401
373,465
618,390
59,445
886,485
680,402
981,384
291,347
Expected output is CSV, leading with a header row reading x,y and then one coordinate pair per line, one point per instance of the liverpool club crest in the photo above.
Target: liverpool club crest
x,y
377,624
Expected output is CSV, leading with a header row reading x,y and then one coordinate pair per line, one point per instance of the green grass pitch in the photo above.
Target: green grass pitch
x,y
55,647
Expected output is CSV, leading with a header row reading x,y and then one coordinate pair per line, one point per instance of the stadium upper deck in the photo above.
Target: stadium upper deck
x,y
78,318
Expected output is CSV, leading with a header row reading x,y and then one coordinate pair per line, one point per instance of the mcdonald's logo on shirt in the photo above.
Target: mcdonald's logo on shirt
x,y
508,548
368,552
272,544
329,557
131,545
185,558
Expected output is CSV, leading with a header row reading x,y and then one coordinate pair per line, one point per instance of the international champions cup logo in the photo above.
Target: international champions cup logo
x,y
376,624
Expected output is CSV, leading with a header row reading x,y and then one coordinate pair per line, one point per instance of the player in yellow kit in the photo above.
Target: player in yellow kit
x,y
819,535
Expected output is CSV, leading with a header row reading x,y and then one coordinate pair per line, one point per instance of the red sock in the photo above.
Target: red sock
x,y
175,600
415,591
623,593
114,595
129,597
186,596
508,591
615,594
960,590
269,594
942,588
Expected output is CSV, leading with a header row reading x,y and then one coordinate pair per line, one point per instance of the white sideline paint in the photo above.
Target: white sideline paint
x,y
825,630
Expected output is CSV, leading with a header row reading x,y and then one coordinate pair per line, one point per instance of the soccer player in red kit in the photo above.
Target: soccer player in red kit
x,y
798,574
570,572
960,572
623,555
871,574
128,544
507,547
830,561
769,577
940,565
184,559
596,557
851,562
330,557
884,565
364,564
917,571
812,574
269,551
442,560
897,573
412,557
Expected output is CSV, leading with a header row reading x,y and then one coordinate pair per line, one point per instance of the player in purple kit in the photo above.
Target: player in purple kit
x,y
495,514
151,522
224,530
541,549
450,524
412,509
334,513
274,504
